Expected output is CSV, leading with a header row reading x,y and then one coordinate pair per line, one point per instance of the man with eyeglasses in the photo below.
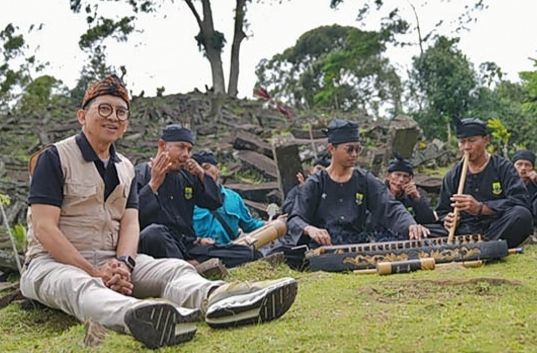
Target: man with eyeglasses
x,y
399,180
333,205
494,201
83,239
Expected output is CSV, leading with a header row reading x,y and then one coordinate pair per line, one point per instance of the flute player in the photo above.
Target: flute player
x,y
494,201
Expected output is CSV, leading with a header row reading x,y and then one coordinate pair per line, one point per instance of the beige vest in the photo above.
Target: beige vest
x,y
86,220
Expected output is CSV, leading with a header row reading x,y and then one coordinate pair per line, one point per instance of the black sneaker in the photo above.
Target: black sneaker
x,y
159,323
242,303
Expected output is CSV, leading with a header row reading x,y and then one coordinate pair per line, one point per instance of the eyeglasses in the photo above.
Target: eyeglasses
x,y
352,148
105,110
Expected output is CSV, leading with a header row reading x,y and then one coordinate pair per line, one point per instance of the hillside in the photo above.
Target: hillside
x,y
239,131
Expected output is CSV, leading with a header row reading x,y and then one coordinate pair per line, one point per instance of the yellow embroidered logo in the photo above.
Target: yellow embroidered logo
x,y
188,192
359,198
496,188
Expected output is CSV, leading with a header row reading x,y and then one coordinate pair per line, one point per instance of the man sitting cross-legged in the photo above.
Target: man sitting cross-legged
x,y
83,240
169,186
494,201
333,205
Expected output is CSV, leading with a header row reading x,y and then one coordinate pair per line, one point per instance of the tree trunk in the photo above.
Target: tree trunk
x,y
212,52
238,36
215,59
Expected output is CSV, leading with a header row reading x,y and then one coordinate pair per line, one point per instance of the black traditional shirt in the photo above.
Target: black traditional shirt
x,y
173,203
343,208
419,209
532,191
47,182
498,186
289,201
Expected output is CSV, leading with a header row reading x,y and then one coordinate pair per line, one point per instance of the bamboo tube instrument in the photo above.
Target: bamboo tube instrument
x,y
428,263
460,190
264,235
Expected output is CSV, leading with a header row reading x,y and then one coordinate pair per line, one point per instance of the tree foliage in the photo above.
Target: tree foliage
x,y
441,83
42,93
211,41
94,41
17,66
334,67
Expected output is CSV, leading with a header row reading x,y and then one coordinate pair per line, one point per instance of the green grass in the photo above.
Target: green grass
x,y
488,309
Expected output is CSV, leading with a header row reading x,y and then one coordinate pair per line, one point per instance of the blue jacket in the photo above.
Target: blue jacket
x,y
233,211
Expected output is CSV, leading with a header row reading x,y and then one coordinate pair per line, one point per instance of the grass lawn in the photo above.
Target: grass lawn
x,y
488,309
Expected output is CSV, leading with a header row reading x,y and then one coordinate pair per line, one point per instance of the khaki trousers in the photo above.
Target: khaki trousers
x,y
75,292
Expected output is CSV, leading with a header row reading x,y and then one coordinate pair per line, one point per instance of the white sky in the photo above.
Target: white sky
x,y
166,54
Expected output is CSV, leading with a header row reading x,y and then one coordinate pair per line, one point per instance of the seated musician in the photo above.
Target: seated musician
x,y
494,202
333,205
524,162
399,180
169,186
224,224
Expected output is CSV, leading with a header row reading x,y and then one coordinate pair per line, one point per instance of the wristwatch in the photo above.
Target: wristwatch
x,y
127,260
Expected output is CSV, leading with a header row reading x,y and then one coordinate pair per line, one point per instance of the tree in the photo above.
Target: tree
x,y
17,67
441,84
456,25
41,93
508,101
93,44
210,41
334,67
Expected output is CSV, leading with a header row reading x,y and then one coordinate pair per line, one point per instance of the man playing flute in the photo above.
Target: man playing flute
x,y
494,201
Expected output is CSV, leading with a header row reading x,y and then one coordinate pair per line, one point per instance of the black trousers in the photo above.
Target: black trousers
x,y
160,242
514,225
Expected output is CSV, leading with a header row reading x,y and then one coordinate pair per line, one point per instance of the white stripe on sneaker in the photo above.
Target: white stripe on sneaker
x,y
253,313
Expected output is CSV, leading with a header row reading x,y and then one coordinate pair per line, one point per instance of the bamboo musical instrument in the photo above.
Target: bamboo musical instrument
x,y
460,190
350,257
264,235
428,263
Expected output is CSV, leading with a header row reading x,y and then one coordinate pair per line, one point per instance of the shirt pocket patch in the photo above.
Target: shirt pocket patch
x,y
79,190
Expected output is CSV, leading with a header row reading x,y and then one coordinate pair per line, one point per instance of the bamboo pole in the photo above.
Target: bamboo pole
x,y
15,253
460,190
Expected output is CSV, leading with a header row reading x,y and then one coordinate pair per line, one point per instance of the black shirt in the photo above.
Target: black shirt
x,y
344,208
532,191
498,185
173,204
419,209
46,186
289,201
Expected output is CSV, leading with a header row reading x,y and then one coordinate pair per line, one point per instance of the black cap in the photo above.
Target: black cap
x,y
342,131
175,132
470,127
524,155
204,157
323,159
399,164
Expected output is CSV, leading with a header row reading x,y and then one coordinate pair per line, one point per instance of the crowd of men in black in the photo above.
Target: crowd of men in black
x,y
339,203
